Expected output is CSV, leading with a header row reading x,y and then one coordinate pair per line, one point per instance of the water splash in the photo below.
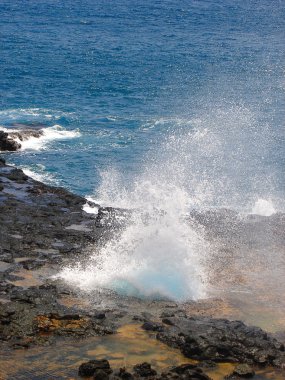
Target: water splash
x,y
157,255
56,132
263,207
206,162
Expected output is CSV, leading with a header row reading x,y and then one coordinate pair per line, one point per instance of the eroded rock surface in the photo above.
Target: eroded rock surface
x,y
42,227
220,340
100,369
7,143
40,222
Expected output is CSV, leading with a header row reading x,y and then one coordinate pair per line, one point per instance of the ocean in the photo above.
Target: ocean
x,y
115,82
157,106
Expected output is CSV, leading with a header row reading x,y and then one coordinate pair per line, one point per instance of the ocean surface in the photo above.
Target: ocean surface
x,y
156,106
127,85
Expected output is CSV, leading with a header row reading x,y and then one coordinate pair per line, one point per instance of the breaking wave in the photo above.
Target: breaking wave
x,y
56,132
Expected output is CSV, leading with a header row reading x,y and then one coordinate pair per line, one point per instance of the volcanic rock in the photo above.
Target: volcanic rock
x,y
89,368
7,143
221,340
244,371
144,370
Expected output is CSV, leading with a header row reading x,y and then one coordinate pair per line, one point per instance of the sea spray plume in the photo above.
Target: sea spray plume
x,y
156,255
210,162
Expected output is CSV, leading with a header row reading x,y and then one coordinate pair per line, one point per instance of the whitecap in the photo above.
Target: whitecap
x,y
56,132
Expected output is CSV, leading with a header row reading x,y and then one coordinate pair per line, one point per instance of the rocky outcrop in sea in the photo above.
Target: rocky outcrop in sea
x,y
11,140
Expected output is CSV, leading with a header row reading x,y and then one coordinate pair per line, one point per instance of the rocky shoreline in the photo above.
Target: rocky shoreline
x,y
43,227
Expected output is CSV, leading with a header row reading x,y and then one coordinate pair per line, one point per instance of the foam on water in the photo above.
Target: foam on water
x,y
56,132
38,173
49,134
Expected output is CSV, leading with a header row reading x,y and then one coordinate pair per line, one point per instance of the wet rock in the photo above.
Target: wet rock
x,y
166,314
151,326
33,264
221,340
181,369
66,324
167,321
187,371
89,368
123,374
144,370
71,325
207,364
100,316
244,371
100,375
7,143
17,175
25,134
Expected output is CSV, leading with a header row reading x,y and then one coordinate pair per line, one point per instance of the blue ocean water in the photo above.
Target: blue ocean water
x,y
133,75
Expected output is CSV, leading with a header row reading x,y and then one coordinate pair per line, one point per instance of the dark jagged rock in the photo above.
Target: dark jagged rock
x,y
25,134
89,368
221,340
141,371
144,370
35,311
242,371
100,375
187,371
151,326
123,374
49,222
7,143
17,175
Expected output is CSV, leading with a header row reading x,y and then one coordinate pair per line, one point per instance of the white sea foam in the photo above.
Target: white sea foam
x,y
39,174
56,132
263,207
90,206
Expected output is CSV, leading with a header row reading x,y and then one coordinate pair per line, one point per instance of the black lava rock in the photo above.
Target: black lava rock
x,y
8,144
100,375
244,371
204,338
89,368
144,370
